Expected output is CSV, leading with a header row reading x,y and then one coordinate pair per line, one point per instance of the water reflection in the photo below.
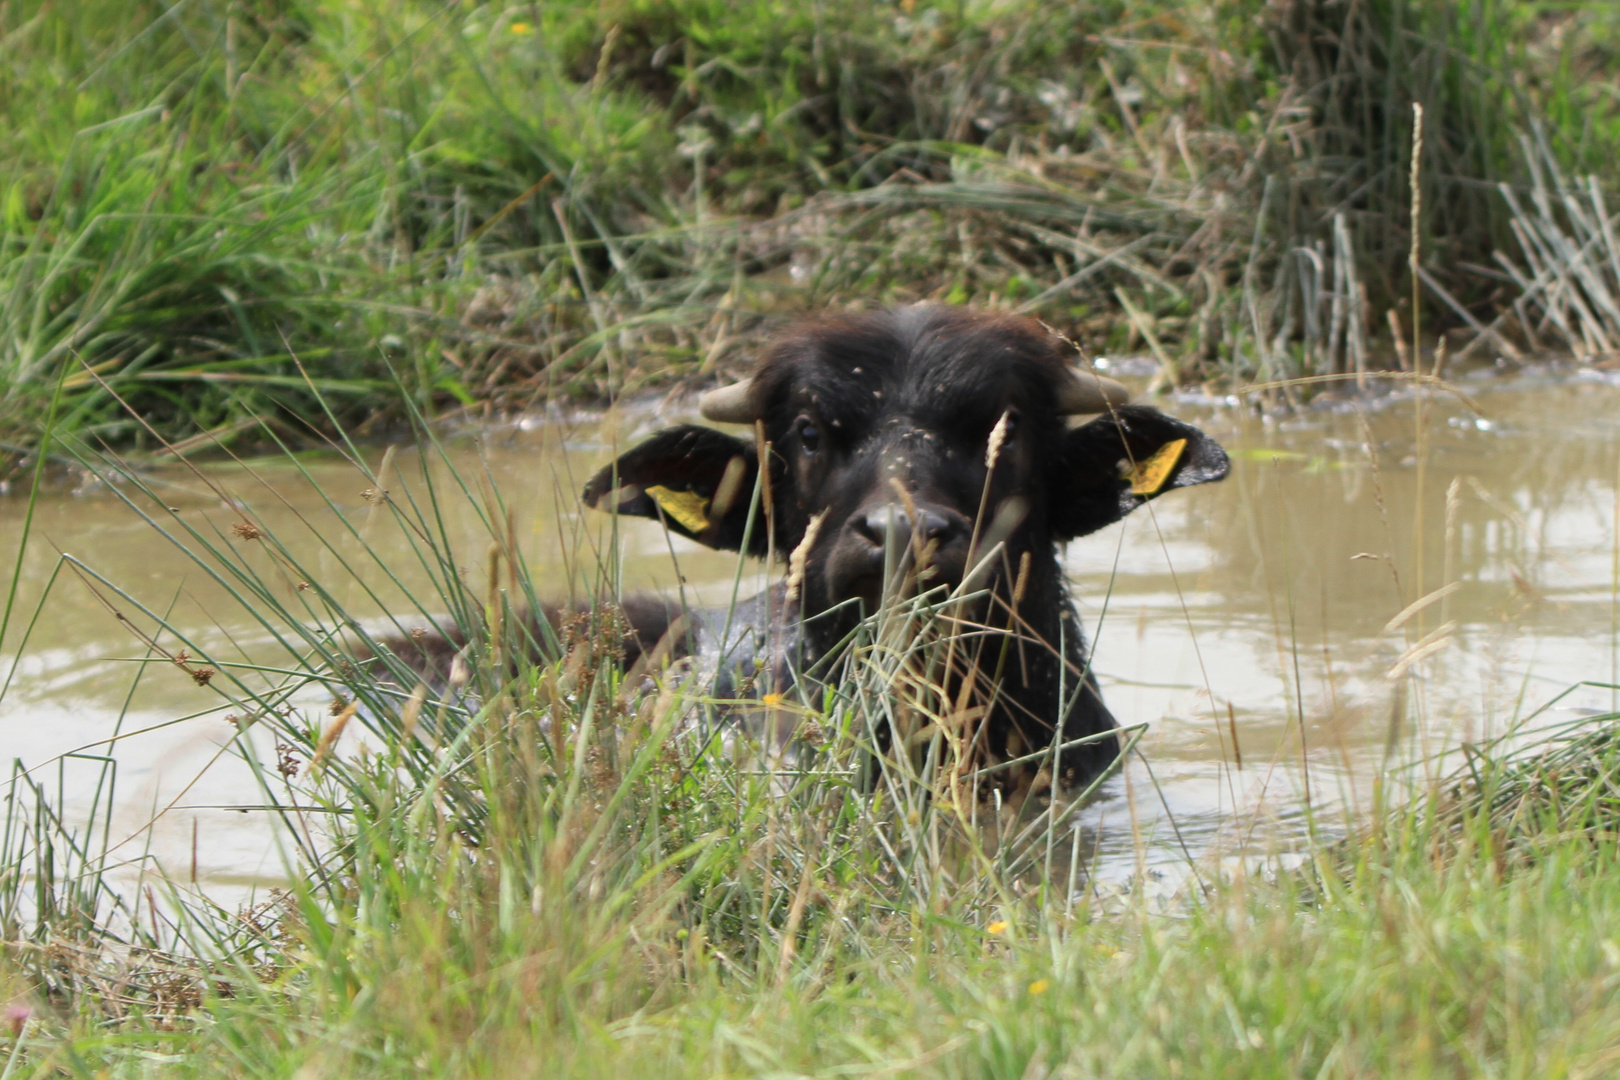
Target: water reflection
x,y
1235,618
1269,599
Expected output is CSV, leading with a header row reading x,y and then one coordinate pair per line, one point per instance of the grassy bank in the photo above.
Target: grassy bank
x,y
471,205
569,948
584,875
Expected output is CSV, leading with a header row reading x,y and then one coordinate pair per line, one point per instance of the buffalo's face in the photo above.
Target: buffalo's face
x,y
915,442
911,447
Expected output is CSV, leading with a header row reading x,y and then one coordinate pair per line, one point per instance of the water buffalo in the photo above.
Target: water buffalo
x,y
913,448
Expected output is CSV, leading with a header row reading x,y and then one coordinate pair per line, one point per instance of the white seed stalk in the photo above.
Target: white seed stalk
x,y
801,555
998,436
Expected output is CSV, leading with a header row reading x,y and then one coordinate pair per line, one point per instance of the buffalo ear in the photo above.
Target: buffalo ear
x,y
698,481
1117,462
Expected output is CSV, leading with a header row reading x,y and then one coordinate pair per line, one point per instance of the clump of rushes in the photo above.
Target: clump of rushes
x,y
1546,784
503,204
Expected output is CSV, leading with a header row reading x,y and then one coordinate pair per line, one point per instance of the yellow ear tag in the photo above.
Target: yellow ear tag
x,y
687,507
1149,476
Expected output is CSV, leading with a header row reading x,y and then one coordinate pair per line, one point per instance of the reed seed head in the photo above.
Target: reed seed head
x,y
801,555
998,439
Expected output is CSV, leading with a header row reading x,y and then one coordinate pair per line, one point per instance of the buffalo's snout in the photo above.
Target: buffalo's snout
x,y
891,523
888,538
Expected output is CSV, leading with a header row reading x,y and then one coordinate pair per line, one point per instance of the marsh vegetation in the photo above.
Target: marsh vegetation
x,y
471,206
299,302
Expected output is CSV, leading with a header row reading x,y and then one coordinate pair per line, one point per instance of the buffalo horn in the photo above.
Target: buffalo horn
x,y
1084,392
728,404
1087,392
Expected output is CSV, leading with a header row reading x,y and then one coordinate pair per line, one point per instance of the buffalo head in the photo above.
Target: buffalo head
x,y
914,439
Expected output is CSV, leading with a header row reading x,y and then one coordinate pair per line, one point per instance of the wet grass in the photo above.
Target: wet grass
x,y
468,206
659,923
576,873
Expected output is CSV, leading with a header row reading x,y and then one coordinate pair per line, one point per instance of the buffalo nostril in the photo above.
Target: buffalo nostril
x,y
878,525
936,526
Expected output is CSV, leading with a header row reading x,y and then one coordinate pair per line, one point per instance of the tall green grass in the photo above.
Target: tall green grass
x,y
578,873
508,203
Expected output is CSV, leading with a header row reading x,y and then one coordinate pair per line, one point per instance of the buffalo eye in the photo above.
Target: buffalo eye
x,y
809,436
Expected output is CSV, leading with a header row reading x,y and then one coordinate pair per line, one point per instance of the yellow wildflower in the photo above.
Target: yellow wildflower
x,y
1039,986
996,927
522,29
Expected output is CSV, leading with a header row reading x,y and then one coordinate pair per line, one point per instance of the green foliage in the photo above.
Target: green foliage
x,y
510,202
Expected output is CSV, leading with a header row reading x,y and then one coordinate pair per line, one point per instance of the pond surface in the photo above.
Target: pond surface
x,y
1234,618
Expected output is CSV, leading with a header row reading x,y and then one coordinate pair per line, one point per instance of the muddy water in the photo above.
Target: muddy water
x,y
1247,623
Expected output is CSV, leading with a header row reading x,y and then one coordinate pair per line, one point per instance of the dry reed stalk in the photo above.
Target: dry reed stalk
x,y
1568,242
330,737
1416,183
800,556
412,711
